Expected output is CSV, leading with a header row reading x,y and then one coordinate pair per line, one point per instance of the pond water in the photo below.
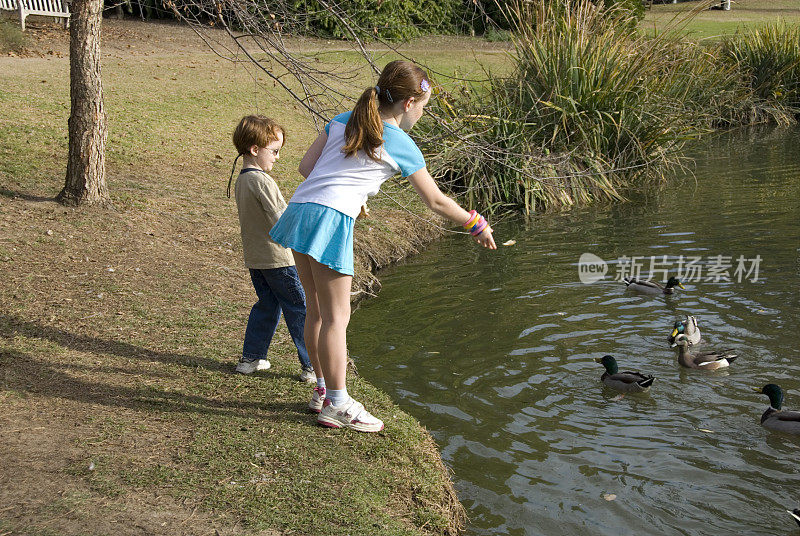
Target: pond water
x,y
493,352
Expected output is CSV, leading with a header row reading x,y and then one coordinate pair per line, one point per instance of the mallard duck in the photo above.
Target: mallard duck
x,y
795,514
703,360
774,417
625,382
651,287
686,327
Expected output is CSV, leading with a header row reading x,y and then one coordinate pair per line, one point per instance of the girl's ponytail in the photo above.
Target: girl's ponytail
x,y
398,81
364,129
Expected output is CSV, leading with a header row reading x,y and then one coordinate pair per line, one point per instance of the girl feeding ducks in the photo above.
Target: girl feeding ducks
x,y
348,162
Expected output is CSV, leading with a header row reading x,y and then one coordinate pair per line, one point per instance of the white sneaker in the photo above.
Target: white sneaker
x,y
351,414
249,367
308,375
317,399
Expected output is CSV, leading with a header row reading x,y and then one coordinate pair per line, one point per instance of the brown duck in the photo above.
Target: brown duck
x,y
702,360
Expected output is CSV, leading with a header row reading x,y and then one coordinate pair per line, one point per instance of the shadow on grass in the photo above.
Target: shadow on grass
x,y
11,194
11,326
23,372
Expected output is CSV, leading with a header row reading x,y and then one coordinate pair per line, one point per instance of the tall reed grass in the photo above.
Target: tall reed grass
x,y
769,60
593,108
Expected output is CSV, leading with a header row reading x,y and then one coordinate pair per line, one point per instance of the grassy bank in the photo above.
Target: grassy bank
x,y
120,328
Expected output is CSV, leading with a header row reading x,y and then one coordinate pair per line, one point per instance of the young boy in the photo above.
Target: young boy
x,y
259,140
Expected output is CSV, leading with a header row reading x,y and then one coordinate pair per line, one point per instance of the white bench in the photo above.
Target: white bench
x,y
48,8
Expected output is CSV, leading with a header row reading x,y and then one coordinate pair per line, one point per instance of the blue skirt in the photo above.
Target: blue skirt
x,y
323,233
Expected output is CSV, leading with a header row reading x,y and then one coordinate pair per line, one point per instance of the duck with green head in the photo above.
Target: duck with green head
x,y
775,418
703,360
686,327
624,382
651,287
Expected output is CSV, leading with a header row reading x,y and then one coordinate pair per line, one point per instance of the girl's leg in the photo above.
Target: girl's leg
x,y
333,297
333,300
313,318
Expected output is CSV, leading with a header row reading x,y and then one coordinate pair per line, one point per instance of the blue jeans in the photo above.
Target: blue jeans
x,y
277,289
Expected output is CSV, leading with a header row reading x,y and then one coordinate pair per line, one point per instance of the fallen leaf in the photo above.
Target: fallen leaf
x,y
707,430
509,242
609,496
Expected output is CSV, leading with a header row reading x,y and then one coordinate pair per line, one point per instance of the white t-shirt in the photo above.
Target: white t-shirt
x,y
344,182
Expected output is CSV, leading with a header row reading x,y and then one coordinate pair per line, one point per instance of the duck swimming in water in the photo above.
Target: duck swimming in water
x,y
702,360
686,327
625,382
775,418
651,287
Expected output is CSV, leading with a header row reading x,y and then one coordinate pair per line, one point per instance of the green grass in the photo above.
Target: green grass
x,y
711,25
243,445
187,121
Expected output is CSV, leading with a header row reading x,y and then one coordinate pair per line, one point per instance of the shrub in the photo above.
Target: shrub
x,y
11,37
591,109
391,19
769,60
493,34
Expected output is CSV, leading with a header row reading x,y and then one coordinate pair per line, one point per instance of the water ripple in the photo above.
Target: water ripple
x,y
493,352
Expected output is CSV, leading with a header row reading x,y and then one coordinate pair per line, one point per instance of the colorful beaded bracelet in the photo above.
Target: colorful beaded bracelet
x,y
476,223
483,224
473,219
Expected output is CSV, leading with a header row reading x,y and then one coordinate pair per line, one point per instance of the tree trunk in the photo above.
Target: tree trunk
x,y
86,164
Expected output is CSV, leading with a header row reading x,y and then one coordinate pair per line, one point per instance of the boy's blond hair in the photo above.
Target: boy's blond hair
x,y
256,130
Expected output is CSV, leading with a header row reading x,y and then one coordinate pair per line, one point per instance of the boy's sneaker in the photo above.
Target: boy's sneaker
x,y
351,414
308,375
249,367
317,399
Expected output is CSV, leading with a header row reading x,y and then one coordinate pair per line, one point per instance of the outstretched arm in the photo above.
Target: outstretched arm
x,y
444,206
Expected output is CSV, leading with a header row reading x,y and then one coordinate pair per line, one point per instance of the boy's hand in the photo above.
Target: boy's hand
x,y
485,238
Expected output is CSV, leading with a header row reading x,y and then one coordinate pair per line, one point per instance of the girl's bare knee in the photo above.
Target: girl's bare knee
x,y
336,322
313,318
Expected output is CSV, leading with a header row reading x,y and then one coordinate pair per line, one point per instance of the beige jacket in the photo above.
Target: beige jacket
x,y
260,204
